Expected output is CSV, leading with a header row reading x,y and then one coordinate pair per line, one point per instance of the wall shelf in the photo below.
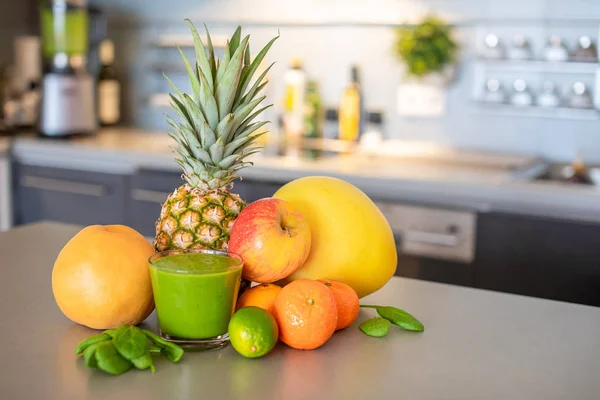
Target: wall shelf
x,y
565,67
507,110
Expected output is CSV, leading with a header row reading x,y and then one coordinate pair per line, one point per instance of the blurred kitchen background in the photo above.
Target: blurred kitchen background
x,y
473,124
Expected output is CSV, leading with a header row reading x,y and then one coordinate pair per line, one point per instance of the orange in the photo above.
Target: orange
x,y
348,305
262,296
306,313
101,278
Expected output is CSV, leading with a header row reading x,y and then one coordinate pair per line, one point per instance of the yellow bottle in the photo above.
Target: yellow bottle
x,y
350,110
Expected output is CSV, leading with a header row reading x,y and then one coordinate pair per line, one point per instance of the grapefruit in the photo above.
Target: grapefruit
x,y
101,278
351,241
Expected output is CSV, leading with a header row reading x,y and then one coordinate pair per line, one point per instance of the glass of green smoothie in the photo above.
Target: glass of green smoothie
x,y
195,292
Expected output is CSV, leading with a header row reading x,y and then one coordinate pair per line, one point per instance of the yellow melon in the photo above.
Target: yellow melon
x,y
101,279
352,241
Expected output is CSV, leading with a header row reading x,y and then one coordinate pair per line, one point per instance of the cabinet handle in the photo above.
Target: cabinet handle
x,y
151,196
58,185
436,239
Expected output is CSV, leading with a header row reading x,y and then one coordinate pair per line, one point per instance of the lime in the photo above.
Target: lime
x,y
253,332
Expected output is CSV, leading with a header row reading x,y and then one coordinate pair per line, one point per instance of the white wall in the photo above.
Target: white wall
x,y
329,35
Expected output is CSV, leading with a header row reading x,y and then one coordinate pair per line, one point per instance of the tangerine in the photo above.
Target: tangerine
x,y
306,313
348,305
262,296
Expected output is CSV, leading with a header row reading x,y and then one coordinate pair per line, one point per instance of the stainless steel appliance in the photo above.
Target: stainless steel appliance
x,y
67,89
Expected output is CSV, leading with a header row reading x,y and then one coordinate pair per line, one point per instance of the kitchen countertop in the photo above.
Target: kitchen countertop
x,y
476,345
491,187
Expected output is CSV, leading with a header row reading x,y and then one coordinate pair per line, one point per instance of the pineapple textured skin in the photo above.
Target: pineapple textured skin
x,y
192,218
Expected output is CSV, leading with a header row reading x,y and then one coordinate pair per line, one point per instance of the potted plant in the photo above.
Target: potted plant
x,y
428,50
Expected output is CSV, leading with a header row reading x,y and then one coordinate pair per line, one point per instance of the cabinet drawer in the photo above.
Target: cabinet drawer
x,y
76,197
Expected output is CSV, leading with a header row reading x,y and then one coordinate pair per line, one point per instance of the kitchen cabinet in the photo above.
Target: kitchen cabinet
x,y
539,257
150,188
63,195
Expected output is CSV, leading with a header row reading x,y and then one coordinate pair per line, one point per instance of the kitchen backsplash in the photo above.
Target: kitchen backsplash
x,y
330,35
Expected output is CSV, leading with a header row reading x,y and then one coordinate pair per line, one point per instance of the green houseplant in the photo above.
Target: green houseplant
x,y
426,48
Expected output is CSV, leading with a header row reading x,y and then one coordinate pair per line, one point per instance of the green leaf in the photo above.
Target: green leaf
x,y
192,75
171,350
81,347
175,88
228,161
247,56
250,129
194,110
242,127
241,113
89,356
376,327
254,90
227,84
154,348
208,135
247,77
223,63
201,58
211,57
225,127
109,360
208,104
237,144
235,40
182,111
131,343
399,317
144,362
216,150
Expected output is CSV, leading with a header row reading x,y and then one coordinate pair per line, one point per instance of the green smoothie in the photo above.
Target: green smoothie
x,y
195,294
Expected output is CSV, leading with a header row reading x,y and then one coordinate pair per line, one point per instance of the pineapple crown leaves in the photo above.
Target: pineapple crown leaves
x,y
215,131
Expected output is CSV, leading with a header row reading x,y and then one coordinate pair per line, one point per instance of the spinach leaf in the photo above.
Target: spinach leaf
x,y
144,362
115,351
130,342
171,350
109,360
89,356
399,317
376,327
90,341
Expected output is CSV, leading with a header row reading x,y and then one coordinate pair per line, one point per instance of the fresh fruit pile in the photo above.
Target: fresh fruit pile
x,y
314,248
305,314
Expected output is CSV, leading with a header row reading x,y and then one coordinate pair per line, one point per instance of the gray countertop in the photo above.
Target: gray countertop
x,y
477,345
485,187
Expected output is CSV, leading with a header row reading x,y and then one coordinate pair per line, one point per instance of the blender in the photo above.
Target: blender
x,y
67,106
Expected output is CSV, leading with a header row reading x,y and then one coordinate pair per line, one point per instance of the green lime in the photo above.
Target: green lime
x,y
253,332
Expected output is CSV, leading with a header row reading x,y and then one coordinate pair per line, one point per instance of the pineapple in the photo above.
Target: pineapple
x,y
214,136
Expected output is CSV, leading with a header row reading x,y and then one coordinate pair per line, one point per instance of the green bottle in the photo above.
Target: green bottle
x,y
313,119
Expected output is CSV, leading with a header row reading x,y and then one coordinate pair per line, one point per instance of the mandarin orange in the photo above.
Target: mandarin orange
x,y
348,305
306,313
262,296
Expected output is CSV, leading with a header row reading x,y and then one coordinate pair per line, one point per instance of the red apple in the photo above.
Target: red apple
x,y
273,239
